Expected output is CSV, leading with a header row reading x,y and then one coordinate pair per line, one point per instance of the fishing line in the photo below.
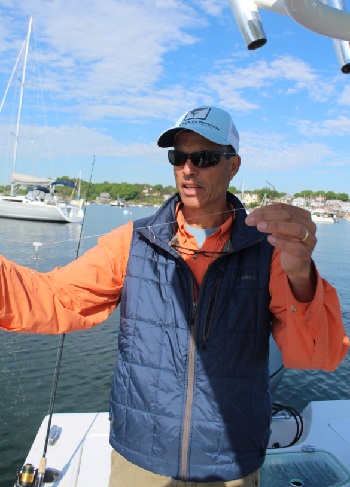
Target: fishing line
x,y
148,228
56,242
87,196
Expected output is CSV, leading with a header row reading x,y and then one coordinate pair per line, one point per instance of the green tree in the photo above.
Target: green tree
x,y
330,195
158,187
306,193
342,196
170,190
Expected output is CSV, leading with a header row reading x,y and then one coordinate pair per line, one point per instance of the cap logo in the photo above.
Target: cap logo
x,y
197,113
198,116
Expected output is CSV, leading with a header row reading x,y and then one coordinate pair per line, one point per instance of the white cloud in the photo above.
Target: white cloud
x,y
339,126
285,75
344,97
211,7
108,47
73,141
270,151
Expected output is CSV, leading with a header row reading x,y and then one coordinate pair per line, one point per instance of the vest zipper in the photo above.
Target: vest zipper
x,y
189,393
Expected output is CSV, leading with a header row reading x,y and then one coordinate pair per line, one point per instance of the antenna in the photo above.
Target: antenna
x,y
274,194
242,190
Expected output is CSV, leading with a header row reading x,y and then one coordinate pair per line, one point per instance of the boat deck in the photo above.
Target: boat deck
x,y
82,451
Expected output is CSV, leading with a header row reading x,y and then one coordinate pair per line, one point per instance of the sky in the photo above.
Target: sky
x,y
105,78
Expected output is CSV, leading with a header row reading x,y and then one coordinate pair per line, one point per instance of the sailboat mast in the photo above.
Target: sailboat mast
x,y
79,185
20,101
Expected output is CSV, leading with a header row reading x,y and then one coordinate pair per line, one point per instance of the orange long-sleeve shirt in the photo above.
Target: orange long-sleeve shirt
x,y
85,292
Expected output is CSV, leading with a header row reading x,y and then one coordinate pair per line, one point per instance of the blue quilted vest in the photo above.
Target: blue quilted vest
x,y
190,398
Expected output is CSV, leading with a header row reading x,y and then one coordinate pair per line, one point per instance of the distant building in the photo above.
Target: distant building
x,y
166,196
286,198
345,206
248,199
300,201
318,201
103,199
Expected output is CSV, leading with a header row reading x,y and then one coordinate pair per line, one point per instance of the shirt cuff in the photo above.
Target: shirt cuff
x,y
306,313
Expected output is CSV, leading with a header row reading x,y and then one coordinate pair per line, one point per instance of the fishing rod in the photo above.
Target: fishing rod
x,y
29,476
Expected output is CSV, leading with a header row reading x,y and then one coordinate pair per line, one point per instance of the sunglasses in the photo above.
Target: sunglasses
x,y
201,158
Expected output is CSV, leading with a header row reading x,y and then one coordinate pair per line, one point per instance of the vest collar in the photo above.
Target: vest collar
x,y
162,226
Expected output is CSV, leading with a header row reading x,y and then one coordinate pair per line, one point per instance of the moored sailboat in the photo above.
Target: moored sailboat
x,y
40,203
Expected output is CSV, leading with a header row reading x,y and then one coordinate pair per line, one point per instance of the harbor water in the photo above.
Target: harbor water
x,y
27,362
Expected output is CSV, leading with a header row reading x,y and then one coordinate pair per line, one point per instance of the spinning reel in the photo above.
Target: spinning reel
x,y
29,476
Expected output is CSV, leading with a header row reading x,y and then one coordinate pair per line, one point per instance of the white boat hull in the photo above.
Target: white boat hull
x,y
276,366
322,219
82,452
22,209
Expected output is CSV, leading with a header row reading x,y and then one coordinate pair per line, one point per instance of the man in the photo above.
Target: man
x,y
199,287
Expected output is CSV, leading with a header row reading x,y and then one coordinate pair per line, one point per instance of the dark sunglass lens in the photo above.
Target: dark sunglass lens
x,y
176,158
208,158
196,158
202,159
171,157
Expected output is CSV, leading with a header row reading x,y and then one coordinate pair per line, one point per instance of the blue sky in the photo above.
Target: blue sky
x,y
115,74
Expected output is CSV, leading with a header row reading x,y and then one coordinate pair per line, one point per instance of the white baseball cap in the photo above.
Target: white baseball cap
x,y
212,123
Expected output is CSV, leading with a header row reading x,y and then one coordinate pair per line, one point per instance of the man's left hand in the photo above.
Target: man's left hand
x,y
294,233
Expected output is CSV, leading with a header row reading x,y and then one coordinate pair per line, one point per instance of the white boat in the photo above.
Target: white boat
x,y
322,216
41,203
78,447
79,453
118,202
306,449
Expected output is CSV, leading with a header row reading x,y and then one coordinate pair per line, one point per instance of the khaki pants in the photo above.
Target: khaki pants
x,y
126,474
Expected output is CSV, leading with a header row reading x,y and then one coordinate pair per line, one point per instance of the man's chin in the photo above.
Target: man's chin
x,y
190,201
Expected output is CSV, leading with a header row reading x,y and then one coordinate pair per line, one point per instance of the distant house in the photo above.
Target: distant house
x,y
300,201
103,199
289,199
345,206
248,198
318,201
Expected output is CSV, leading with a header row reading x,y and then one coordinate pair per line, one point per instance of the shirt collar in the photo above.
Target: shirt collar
x,y
223,229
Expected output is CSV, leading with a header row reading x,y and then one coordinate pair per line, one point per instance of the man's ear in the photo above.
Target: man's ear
x,y
235,165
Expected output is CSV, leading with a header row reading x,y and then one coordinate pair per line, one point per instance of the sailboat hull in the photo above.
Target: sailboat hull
x,y
21,209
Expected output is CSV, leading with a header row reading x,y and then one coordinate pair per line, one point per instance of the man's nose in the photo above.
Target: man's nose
x,y
189,167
